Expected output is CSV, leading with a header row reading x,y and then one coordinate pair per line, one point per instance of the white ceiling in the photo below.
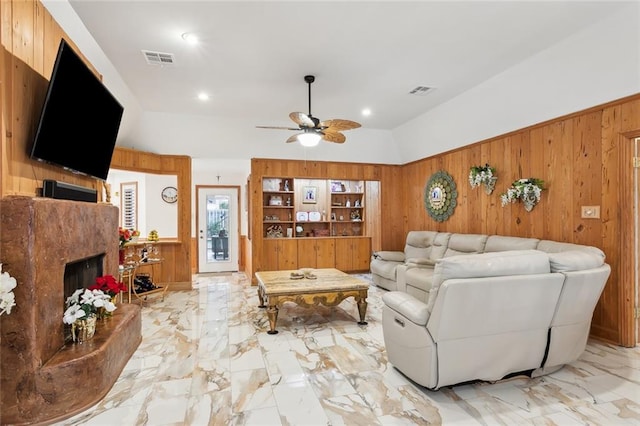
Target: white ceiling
x,y
253,55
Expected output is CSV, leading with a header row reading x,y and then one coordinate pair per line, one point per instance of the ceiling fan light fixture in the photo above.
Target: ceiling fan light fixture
x,y
309,139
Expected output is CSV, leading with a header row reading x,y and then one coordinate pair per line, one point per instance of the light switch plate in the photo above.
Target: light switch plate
x,y
590,212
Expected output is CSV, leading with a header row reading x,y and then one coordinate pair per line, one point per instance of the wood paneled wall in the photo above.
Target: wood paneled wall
x,y
30,39
586,160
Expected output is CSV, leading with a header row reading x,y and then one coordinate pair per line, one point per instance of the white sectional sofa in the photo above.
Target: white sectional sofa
x,y
507,306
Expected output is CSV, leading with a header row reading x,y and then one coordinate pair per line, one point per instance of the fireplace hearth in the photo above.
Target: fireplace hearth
x,y
38,242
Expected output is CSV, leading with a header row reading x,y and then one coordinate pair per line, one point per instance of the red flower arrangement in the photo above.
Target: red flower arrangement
x,y
125,236
109,285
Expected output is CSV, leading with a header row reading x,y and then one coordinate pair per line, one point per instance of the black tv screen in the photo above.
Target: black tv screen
x,y
80,118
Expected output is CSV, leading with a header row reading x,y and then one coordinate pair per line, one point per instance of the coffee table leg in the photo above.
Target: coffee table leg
x,y
362,310
261,297
272,314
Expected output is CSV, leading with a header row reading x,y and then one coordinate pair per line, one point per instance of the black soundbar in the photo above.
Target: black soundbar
x,y
66,191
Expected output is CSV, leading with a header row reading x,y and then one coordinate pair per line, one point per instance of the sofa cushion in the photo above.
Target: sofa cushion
x,y
393,256
504,243
494,264
439,245
574,260
418,244
420,278
465,244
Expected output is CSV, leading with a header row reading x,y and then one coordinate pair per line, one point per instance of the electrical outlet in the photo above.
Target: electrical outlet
x,y
590,212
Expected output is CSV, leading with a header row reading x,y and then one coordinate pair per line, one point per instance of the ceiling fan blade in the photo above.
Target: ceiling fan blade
x,y
335,137
302,119
277,127
339,125
293,138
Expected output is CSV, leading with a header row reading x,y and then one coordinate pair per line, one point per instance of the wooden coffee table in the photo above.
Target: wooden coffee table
x,y
330,287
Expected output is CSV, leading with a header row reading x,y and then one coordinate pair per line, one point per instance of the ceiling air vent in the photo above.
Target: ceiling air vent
x,y
420,90
158,58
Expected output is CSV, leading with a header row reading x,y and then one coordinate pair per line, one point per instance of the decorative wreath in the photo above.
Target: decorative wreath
x,y
440,196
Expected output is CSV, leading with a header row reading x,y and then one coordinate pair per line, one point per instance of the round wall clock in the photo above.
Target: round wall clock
x,y
440,196
170,194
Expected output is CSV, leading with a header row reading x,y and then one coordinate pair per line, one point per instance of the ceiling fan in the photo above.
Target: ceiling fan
x,y
311,129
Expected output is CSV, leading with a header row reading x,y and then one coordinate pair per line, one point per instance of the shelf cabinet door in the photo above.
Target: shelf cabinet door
x,y
353,254
316,253
279,254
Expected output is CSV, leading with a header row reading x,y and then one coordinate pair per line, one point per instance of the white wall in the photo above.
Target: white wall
x,y
153,212
594,66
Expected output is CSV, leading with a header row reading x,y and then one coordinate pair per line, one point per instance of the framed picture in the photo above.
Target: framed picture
x,y
336,186
309,194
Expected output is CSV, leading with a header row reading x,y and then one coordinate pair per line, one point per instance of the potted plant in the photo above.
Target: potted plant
x,y
528,191
82,311
109,285
483,175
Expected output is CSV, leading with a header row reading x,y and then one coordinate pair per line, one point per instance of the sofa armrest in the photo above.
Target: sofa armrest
x,y
392,256
421,262
407,306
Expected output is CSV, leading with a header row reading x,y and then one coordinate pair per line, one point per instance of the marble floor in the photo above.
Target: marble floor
x,y
206,359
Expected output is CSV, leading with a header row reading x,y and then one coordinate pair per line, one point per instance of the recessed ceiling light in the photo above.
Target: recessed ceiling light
x,y
203,96
366,112
190,38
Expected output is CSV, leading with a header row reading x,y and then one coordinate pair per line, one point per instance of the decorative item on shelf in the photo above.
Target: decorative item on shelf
x,y
286,185
82,311
483,175
355,215
314,216
529,191
153,236
7,298
302,216
299,231
275,200
310,194
440,196
274,231
337,187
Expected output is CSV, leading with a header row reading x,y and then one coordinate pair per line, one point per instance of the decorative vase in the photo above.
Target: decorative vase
x,y
490,185
83,329
121,256
529,201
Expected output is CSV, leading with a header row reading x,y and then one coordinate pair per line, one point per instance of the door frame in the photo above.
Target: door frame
x,y
197,215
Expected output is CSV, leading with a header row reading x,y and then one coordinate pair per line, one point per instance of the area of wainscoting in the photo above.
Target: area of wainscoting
x,y
206,359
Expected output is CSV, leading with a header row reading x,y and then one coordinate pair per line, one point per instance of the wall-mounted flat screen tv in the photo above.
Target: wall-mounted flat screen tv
x,y
80,118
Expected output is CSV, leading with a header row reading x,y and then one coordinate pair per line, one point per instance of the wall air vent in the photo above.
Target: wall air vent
x,y
420,90
158,58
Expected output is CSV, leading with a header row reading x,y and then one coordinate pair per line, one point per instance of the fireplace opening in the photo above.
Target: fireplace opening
x,y
80,274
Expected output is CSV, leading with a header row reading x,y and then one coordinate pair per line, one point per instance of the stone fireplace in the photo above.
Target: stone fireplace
x,y
44,378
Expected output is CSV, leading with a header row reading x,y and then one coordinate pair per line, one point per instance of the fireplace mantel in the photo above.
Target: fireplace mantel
x,y
42,378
